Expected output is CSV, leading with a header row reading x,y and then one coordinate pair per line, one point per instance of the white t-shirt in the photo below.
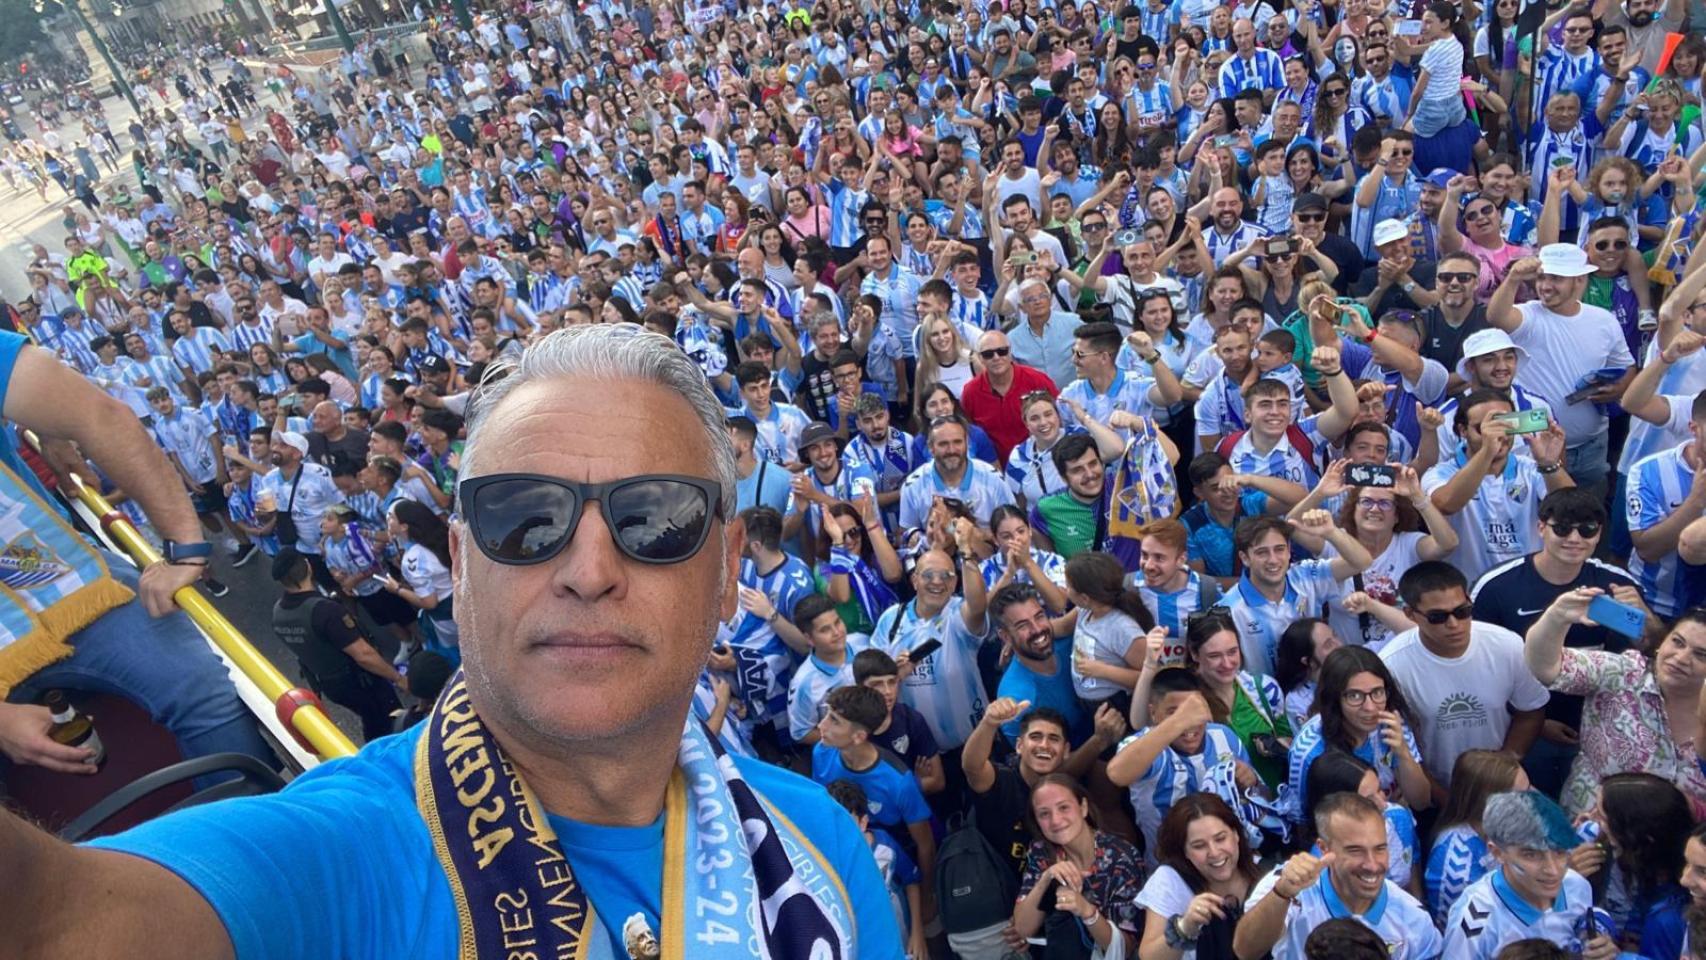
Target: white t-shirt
x,y
1167,894
1561,350
1379,581
1460,703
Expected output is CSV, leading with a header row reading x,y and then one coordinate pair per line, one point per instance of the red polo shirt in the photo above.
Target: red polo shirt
x,y
998,413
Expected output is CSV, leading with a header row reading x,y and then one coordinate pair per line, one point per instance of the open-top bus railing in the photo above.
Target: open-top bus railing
x,y
301,714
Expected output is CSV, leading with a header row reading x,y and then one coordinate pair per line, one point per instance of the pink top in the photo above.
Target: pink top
x,y
1624,728
1494,264
814,224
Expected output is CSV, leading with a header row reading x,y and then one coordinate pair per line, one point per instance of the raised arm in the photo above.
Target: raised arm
x,y
1501,310
1543,646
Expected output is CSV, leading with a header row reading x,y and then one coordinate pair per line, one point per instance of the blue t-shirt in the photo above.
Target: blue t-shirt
x,y
768,485
365,882
892,796
1054,691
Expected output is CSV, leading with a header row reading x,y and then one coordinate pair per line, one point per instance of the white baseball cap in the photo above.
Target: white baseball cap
x,y
1482,342
291,438
1386,231
1565,260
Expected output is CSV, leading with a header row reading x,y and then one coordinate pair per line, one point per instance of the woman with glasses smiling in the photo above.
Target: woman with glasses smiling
x,y
1481,235
1359,708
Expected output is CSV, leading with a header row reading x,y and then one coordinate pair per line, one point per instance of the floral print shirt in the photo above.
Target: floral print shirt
x,y
1624,728
1112,882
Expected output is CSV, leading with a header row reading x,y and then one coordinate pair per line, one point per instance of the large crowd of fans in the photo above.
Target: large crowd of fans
x,y
1219,479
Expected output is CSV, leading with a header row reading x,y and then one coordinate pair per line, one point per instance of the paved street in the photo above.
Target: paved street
x,y
24,220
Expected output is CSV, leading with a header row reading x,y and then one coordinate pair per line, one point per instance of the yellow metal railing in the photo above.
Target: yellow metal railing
x,y
316,728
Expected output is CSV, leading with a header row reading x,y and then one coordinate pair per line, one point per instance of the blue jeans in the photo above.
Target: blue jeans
x,y
1588,464
163,665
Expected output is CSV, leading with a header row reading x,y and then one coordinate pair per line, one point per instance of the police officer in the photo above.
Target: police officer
x,y
338,663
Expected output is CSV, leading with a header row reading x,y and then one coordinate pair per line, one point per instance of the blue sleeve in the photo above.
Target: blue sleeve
x,y
906,871
1662,933
1354,357
982,447
343,836
11,344
1255,503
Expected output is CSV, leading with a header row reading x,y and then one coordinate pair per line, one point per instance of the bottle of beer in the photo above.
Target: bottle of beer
x,y
73,728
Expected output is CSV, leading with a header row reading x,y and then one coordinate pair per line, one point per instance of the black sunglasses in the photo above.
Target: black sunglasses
x,y
1311,217
1587,528
519,519
1604,245
994,352
1457,277
1437,617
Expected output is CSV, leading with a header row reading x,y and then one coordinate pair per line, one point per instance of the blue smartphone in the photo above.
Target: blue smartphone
x,y
1618,616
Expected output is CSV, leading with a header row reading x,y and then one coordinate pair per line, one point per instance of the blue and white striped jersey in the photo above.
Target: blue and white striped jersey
x,y
1051,564
246,335
1308,744
779,432
1221,246
812,682
1459,858
1309,584
1285,461
1031,473
1264,70
898,289
946,688
844,204
195,349
1658,485
1558,70
1128,391
1171,610
765,665
1173,775
981,488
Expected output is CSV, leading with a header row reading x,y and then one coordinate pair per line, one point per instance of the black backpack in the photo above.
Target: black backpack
x,y
975,887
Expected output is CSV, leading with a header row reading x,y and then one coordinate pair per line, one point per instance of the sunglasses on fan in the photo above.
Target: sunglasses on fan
x,y
520,519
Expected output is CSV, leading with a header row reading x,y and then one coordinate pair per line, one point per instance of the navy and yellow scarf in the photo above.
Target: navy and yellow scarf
x,y
740,880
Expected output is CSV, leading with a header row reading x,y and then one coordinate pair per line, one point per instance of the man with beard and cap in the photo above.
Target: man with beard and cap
x,y
1348,880
827,479
1423,222
301,490
1309,222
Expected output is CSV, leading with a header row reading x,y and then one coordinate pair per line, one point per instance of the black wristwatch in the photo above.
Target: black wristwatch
x,y
182,553
1174,934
